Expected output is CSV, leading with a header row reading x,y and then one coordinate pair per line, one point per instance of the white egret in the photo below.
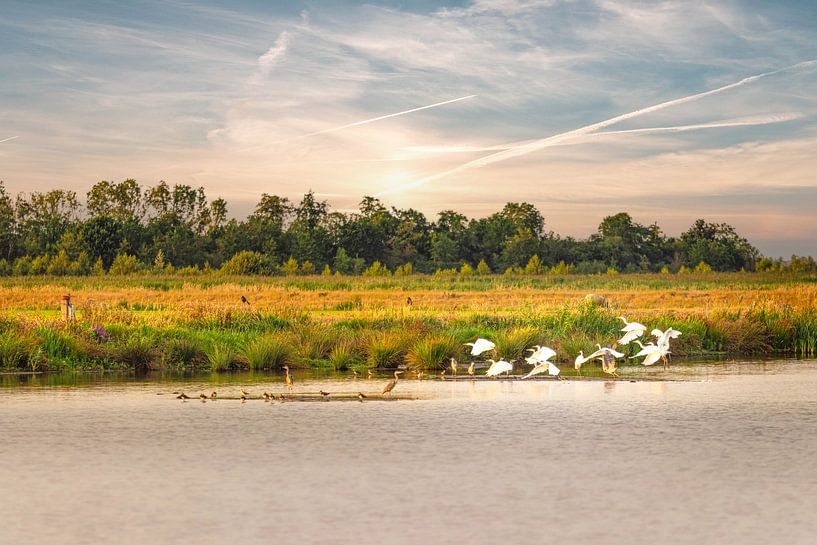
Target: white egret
x,y
630,336
480,345
471,369
632,326
498,367
608,357
288,378
580,360
540,354
543,367
454,367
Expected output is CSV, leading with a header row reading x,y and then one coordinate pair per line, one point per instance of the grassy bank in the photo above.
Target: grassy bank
x,y
159,323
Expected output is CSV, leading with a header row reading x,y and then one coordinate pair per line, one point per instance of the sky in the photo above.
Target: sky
x,y
433,105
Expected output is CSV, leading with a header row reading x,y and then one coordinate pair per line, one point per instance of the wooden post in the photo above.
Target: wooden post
x,y
65,307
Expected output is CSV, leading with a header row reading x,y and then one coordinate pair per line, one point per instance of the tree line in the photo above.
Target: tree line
x,y
124,227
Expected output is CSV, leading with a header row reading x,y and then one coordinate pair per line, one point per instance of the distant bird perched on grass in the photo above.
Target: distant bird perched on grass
x,y
409,302
392,383
244,300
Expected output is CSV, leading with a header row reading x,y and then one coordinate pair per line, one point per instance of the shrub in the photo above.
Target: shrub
x,y
246,263
377,269
222,358
124,264
344,355
138,353
534,266
466,270
511,344
290,268
184,352
432,352
702,267
17,353
483,268
271,351
385,350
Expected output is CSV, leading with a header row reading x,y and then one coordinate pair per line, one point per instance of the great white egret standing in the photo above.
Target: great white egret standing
x,y
288,378
480,345
471,369
392,383
580,360
498,367
454,367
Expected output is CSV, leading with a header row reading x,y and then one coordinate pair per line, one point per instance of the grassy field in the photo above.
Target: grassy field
x,y
352,322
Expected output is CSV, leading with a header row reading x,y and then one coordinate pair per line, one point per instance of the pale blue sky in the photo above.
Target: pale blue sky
x,y
222,94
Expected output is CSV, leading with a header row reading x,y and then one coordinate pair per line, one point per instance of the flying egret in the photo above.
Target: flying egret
x,y
543,367
480,345
632,326
454,367
607,356
540,354
498,367
392,383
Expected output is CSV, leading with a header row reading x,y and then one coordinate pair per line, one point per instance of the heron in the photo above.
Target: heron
x,y
498,367
454,367
288,378
392,383
244,300
183,396
203,398
214,395
471,370
480,345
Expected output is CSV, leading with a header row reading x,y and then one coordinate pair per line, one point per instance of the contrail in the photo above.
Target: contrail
x,y
9,138
364,122
738,122
372,120
543,143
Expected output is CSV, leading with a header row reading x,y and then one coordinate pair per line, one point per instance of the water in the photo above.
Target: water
x,y
724,456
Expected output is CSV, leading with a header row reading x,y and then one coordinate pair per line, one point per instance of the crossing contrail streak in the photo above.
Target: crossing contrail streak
x,y
726,123
543,143
382,117
9,138
364,122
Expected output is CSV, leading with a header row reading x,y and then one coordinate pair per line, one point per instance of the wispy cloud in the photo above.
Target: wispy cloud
x,y
9,138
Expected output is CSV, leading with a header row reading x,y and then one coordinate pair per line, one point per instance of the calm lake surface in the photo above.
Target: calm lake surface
x,y
726,453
